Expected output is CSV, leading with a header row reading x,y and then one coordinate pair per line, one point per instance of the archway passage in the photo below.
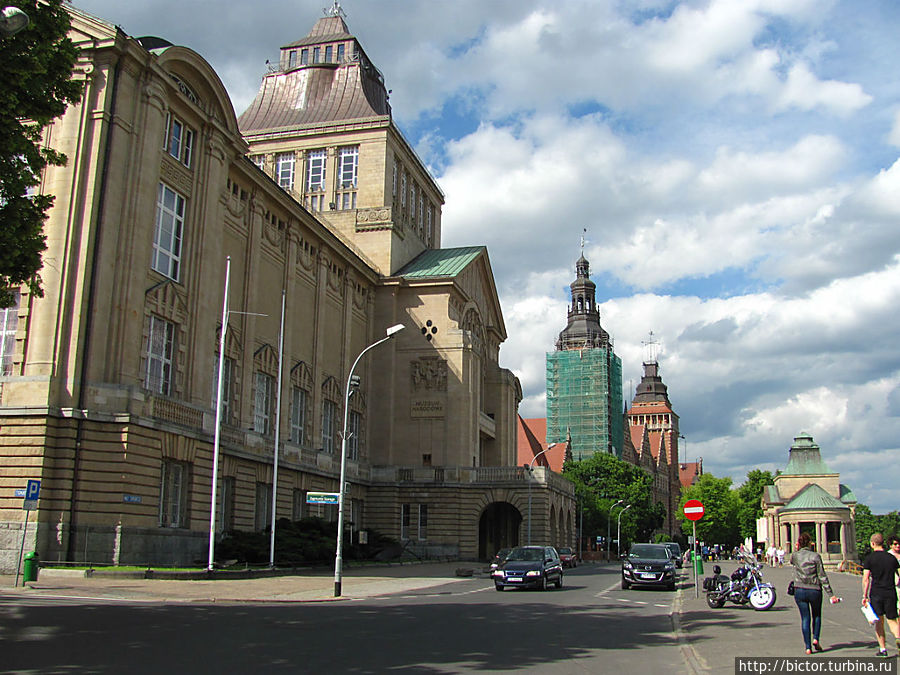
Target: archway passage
x,y
498,528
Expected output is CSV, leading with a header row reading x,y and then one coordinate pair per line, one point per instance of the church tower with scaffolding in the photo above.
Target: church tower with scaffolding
x,y
584,378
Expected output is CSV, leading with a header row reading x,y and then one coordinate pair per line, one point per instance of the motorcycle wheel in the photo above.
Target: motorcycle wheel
x,y
762,598
714,602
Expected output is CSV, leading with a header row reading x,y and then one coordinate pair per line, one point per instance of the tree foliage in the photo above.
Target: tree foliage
x,y
719,524
749,496
867,523
35,88
600,481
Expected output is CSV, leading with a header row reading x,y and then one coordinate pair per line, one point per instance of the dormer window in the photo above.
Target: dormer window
x,y
329,50
292,59
340,53
317,54
304,57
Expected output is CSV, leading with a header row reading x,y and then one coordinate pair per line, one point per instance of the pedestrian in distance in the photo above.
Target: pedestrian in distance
x,y
894,550
809,581
879,590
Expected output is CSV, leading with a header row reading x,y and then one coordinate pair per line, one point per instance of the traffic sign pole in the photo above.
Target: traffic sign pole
x,y
694,563
693,511
22,550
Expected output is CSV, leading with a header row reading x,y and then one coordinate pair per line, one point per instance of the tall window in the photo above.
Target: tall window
x,y
173,494
404,521
348,164
228,484
317,54
9,324
292,58
423,522
394,180
329,425
421,214
429,225
179,140
315,171
263,511
304,57
298,415
284,170
329,50
227,385
340,53
355,440
299,504
167,236
262,404
160,356
403,189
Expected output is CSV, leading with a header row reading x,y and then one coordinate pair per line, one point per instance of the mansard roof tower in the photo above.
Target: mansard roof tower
x,y
584,377
321,127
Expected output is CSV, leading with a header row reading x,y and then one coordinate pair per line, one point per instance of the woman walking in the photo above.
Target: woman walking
x,y
809,580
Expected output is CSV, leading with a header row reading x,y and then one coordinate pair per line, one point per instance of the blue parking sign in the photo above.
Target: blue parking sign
x,y
33,489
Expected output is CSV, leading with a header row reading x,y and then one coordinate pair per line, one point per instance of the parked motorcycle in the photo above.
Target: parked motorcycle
x,y
744,585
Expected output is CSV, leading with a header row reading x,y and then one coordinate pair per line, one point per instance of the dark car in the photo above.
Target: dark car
x,y
499,558
567,556
648,564
675,549
529,567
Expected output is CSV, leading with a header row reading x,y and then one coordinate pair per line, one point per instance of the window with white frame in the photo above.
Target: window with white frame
x,y
9,325
429,225
298,415
348,166
259,160
262,513
423,522
403,189
284,170
160,356
173,494
405,511
315,170
227,387
354,440
329,425
412,199
262,403
179,140
394,179
167,236
421,214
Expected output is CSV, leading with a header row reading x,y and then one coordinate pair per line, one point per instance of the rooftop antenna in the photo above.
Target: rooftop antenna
x,y
651,346
334,10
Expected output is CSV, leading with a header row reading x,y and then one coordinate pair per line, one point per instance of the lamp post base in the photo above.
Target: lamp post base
x,y
337,589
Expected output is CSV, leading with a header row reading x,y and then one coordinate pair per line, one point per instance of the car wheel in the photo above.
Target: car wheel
x,y
543,584
625,585
499,587
559,580
671,587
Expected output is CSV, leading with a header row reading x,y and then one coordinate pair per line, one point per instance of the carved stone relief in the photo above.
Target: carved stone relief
x,y
429,373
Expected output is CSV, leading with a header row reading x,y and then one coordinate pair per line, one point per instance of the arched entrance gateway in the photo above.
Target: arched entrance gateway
x,y
498,528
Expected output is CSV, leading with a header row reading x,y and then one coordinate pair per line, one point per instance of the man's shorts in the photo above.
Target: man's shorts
x,y
884,606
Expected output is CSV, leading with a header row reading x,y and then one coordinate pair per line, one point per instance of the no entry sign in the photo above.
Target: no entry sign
x,y
693,509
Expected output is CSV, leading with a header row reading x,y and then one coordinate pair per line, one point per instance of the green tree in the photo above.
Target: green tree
x,y
749,496
867,523
36,86
603,479
719,524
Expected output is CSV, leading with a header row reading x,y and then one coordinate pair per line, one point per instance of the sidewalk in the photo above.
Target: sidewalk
x,y
314,586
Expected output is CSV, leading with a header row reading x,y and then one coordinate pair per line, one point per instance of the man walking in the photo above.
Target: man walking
x,y
879,591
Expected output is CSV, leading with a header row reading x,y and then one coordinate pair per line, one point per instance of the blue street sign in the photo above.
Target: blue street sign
x,y
20,492
33,489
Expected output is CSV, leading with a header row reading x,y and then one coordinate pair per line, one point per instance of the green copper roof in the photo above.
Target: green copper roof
x,y
847,495
805,458
771,496
440,262
813,497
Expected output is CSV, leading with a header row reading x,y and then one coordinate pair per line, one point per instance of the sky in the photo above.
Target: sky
x,y
734,164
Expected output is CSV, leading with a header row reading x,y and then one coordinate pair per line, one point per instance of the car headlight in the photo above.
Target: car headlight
x,y
497,573
533,573
627,565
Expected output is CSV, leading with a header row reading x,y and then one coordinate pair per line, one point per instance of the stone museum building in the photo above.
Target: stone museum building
x,y
109,387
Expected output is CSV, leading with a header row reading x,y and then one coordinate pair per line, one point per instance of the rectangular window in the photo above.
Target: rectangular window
x,y
348,163
429,225
394,181
315,171
317,54
263,511
284,170
329,50
227,380
228,484
262,404
259,160
304,57
354,439
403,190
423,522
173,493
340,53
404,521
298,510
9,325
329,421
160,356
298,415
412,199
179,140
348,201
167,235
421,213
292,58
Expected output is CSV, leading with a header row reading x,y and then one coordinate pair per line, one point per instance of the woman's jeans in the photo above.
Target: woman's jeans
x,y
809,602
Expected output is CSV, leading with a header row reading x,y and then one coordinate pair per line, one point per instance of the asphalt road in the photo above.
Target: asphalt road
x,y
590,625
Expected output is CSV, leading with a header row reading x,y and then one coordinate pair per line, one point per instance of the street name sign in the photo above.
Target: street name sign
x,y
322,497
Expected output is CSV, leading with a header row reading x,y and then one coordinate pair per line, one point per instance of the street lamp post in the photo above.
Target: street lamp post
x,y
619,531
608,516
530,476
338,556
12,20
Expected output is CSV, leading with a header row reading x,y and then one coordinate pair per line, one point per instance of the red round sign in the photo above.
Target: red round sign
x,y
693,509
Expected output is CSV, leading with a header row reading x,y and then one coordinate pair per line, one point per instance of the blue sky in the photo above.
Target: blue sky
x,y
735,163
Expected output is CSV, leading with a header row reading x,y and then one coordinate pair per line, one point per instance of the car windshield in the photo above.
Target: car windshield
x,y
530,554
650,552
564,550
